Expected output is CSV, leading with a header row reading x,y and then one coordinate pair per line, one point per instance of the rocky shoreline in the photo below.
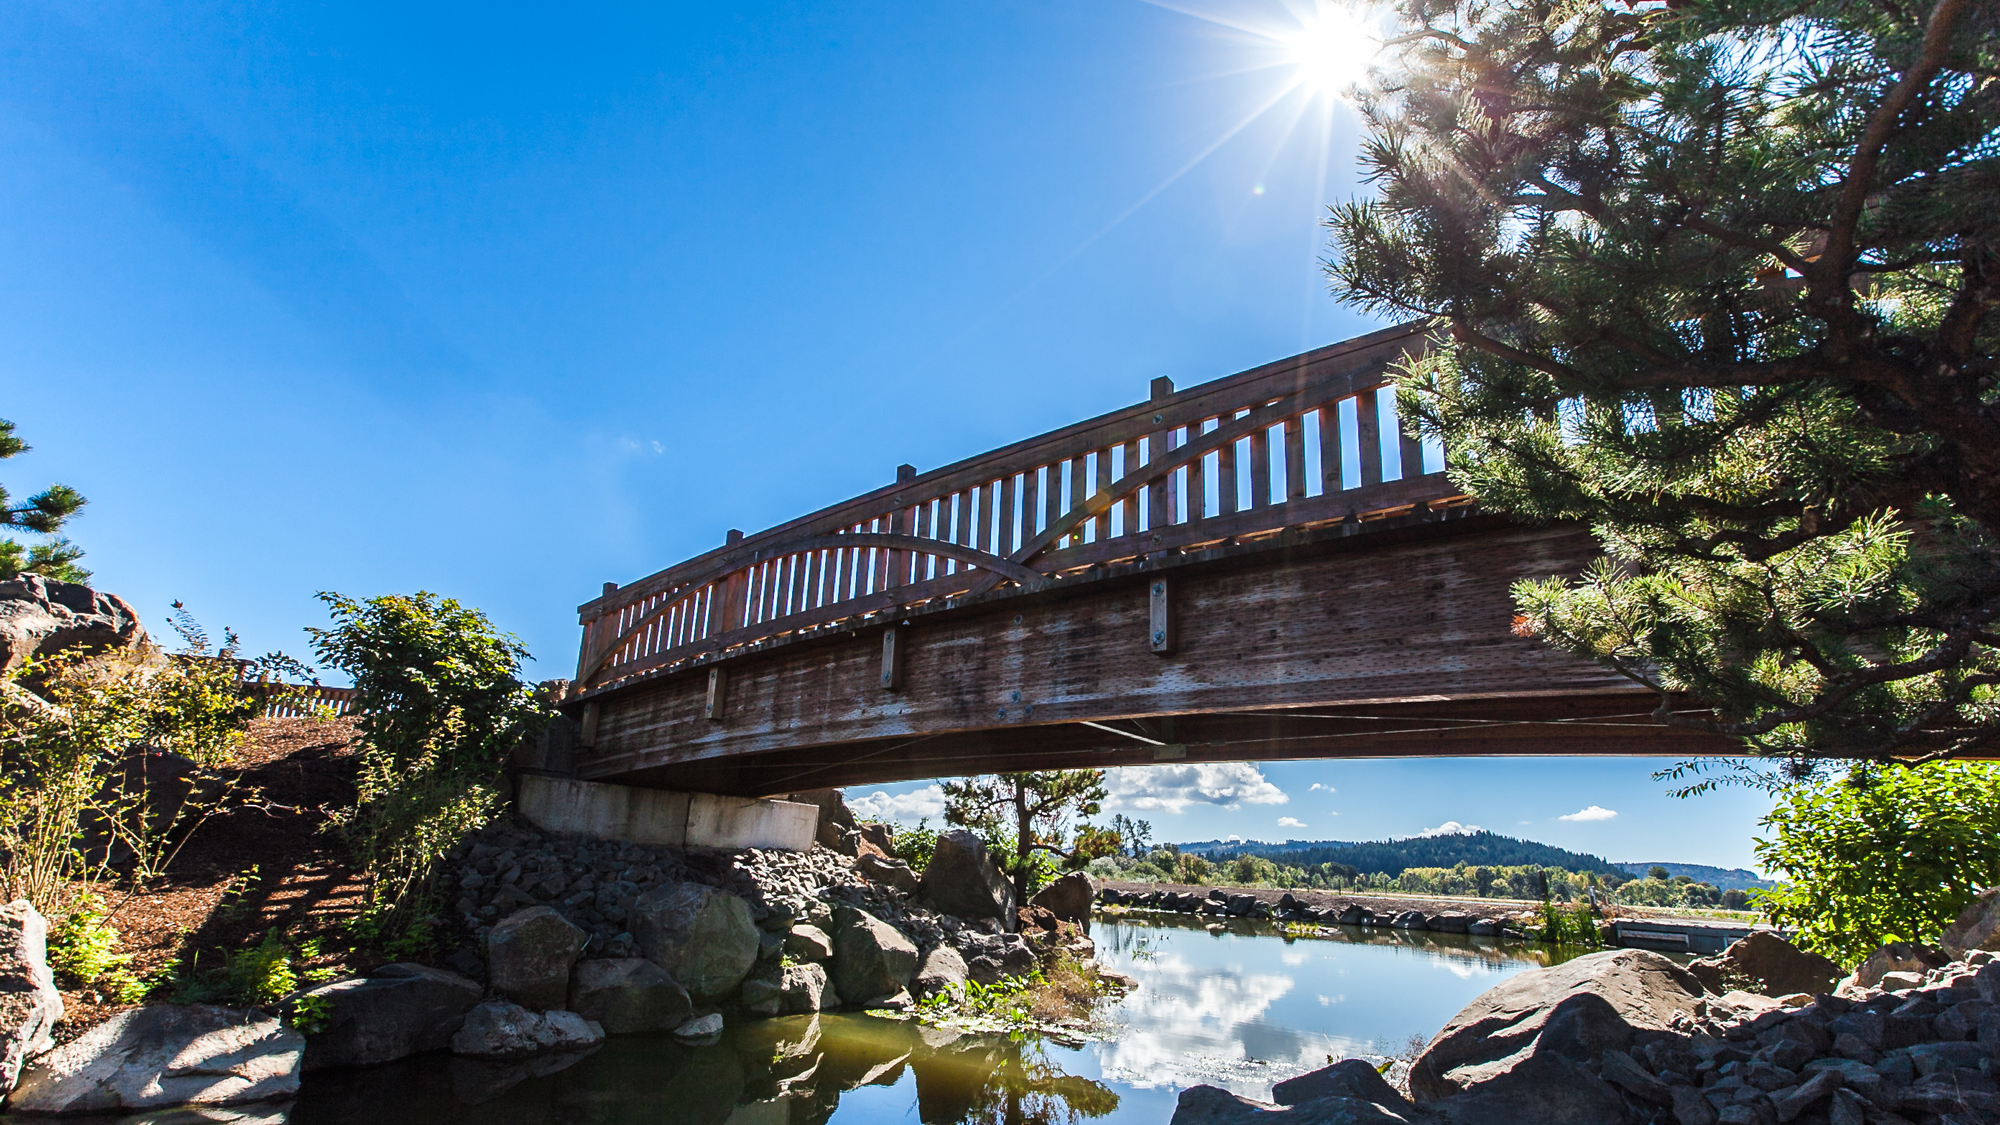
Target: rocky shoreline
x,y
569,940
1626,1037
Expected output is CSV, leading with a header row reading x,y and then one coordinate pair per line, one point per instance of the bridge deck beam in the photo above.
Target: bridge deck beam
x,y
1336,646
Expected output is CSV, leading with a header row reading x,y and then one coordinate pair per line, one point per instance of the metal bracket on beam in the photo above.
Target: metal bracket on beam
x,y
718,694
1160,627
892,658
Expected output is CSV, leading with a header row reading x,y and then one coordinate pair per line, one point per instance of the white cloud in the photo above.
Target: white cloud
x,y
1328,788
1452,828
927,802
1290,822
1594,812
1174,788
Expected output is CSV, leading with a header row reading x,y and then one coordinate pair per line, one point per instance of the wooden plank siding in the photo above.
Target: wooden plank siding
x,y
1415,614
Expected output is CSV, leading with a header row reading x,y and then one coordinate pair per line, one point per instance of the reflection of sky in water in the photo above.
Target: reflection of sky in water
x,y
1239,1009
1244,1012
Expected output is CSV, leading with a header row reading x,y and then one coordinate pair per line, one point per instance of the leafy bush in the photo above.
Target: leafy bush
x,y
83,949
915,845
1575,926
1886,854
442,707
82,750
261,975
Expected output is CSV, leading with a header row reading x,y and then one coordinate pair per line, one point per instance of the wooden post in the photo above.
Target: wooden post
x,y
1368,436
1329,448
892,658
587,737
1295,458
1159,494
1161,619
1260,468
718,694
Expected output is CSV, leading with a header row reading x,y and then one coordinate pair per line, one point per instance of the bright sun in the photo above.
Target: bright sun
x,y
1332,48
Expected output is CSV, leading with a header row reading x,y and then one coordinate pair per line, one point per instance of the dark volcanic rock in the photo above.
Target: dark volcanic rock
x,y
962,880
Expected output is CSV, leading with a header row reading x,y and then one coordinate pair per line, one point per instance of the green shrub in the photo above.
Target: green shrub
x,y
442,708
1885,854
261,975
915,845
84,946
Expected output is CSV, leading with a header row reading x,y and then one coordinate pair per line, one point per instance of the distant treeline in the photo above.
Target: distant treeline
x,y
1391,857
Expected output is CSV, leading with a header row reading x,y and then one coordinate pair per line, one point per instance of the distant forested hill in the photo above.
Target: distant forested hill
x,y
1722,878
1392,856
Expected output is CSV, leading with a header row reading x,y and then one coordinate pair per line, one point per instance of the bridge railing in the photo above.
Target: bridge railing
x,y
1291,444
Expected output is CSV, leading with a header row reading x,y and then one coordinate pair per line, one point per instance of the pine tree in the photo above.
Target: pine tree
x,y
1722,281
44,513
1031,811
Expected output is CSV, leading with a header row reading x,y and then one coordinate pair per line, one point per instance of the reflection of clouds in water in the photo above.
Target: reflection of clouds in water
x,y
1295,956
1185,1025
1461,969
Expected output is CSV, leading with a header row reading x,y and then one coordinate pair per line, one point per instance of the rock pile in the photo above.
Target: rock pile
x,y
1626,1037
1221,904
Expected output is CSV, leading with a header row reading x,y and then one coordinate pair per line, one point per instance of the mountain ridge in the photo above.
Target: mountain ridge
x,y
1390,857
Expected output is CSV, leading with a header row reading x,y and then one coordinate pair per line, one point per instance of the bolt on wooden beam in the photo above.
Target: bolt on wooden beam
x,y
892,658
718,694
1161,623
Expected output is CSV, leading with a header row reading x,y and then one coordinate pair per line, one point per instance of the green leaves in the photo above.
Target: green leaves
x,y
1882,854
44,513
442,708
1721,281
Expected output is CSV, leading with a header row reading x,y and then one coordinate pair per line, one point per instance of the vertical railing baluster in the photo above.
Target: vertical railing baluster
x,y
1368,437
1329,448
1295,458
1260,468
1128,508
1228,481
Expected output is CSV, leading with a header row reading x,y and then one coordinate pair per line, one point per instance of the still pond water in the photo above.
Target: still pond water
x,y
1239,1007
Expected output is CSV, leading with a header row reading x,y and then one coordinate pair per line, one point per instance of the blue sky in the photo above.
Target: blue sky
x,y
504,301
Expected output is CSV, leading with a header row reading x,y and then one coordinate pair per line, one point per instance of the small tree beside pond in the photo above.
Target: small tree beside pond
x,y
1884,854
1028,815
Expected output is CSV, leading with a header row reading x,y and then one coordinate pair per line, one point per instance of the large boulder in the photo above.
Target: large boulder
x,y
889,872
1516,1053
628,994
399,1011
165,1055
1348,1078
529,954
961,879
942,968
805,989
705,938
807,942
500,1030
1977,927
39,617
1068,898
1208,1105
1895,957
1764,962
835,821
990,957
871,959
29,1002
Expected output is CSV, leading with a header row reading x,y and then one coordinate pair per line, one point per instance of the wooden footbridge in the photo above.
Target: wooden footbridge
x,y
1242,570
